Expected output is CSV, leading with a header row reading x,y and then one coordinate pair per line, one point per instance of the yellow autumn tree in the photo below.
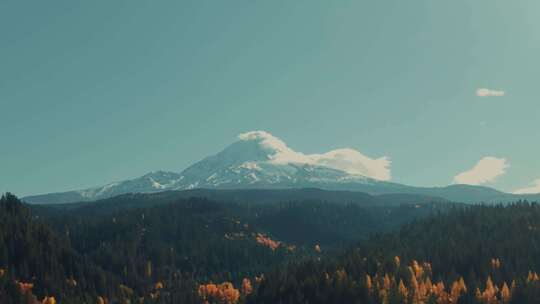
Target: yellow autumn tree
x,y
369,284
439,290
462,284
48,300
402,289
159,285
505,293
386,282
458,288
422,291
489,295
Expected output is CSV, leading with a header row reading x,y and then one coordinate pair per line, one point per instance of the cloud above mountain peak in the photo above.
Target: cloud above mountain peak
x,y
348,160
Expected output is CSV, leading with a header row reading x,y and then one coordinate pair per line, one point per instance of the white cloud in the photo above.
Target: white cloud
x,y
348,160
354,162
534,187
486,170
483,92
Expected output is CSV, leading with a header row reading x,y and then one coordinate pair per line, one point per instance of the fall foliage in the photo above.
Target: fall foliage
x,y
224,293
25,287
49,300
266,241
447,259
415,284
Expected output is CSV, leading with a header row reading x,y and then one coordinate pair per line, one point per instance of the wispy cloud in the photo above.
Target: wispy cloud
x,y
534,187
348,160
483,92
486,170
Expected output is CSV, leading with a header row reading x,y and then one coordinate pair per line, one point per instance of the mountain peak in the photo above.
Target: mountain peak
x,y
258,136
266,141
278,151
257,159
347,160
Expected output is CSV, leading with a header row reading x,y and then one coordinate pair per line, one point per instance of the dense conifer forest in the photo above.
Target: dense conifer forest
x,y
476,254
163,249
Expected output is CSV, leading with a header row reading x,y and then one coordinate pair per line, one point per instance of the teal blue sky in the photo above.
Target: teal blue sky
x,y
98,91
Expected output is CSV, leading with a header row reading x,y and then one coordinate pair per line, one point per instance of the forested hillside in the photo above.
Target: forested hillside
x,y
36,261
160,248
197,250
471,255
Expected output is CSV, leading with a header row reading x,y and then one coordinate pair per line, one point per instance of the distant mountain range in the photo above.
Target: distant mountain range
x,y
259,160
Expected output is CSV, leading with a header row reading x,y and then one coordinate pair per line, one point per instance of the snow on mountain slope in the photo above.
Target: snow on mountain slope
x,y
259,160
256,159
151,182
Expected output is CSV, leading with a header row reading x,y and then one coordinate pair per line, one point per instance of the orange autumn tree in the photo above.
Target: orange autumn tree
x,y
49,300
495,295
224,293
458,288
266,241
489,295
505,293
403,291
416,287
532,277
369,283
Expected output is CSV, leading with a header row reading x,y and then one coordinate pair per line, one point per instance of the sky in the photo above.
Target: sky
x,y
98,91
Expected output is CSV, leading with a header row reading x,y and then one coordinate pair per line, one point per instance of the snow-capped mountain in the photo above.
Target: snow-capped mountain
x,y
256,160
151,182
260,160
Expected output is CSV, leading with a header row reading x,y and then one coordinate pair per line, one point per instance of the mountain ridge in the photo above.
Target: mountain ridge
x,y
258,160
